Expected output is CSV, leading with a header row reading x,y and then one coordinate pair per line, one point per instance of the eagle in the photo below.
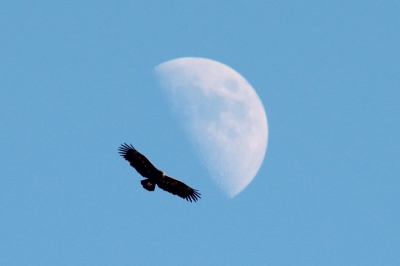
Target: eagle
x,y
156,177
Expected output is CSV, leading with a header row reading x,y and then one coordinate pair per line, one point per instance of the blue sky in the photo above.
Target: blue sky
x,y
77,80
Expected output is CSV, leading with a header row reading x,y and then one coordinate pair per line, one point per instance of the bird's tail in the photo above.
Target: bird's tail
x,y
148,184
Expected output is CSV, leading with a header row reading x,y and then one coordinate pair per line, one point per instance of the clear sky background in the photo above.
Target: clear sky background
x,y
77,80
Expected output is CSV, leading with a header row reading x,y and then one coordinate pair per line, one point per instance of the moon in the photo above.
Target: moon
x,y
223,116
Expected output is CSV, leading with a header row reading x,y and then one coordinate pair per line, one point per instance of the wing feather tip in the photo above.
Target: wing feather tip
x,y
125,148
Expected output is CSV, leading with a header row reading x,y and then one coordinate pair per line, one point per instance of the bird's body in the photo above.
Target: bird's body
x,y
156,177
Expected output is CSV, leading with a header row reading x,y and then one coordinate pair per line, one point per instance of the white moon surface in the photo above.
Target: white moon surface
x,y
223,115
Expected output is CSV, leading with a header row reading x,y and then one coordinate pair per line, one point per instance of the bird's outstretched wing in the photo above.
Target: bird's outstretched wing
x,y
137,160
178,188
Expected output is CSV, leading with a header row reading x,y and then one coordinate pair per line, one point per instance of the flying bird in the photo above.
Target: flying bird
x,y
156,177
